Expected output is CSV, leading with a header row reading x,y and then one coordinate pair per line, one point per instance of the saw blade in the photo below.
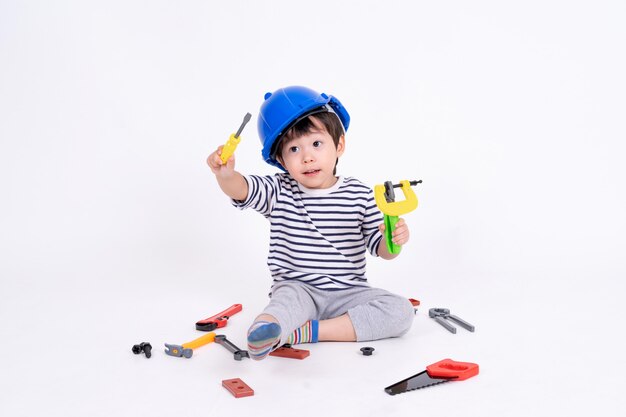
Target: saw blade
x,y
421,380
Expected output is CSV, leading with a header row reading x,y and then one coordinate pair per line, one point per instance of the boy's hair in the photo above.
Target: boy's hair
x,y
328,120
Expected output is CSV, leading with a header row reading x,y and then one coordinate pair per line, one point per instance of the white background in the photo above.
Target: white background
x,y
113,230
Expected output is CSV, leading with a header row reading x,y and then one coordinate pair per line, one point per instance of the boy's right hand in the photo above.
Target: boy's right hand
x,y
217,167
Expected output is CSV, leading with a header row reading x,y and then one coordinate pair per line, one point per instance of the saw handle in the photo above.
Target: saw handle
x,y
390,226
450,369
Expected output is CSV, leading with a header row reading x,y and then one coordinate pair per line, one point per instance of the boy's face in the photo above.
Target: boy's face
x,y
310,159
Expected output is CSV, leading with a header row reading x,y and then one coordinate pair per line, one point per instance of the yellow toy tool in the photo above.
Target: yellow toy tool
x,y
233,140
386,202
186,349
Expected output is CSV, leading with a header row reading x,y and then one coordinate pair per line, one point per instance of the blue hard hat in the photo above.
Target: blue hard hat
x,y
285,107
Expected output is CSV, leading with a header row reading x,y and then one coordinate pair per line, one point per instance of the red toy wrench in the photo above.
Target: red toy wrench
x,y
218,320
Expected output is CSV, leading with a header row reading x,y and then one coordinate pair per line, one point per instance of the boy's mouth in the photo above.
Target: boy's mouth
x,y
311,172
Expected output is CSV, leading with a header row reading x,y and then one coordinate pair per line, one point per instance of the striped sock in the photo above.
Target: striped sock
x,y
305,334
263,336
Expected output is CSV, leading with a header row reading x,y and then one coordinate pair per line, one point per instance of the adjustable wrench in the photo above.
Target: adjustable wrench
x,y
218,320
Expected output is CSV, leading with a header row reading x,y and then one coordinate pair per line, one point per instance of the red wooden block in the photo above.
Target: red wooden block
x,y
237,387
284,352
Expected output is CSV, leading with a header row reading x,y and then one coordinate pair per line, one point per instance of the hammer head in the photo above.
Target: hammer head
x,y
178,351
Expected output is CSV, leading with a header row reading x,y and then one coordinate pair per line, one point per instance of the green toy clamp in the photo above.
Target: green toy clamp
x,y
392,209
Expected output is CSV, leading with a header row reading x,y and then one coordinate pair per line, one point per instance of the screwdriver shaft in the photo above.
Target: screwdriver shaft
x,y
246,119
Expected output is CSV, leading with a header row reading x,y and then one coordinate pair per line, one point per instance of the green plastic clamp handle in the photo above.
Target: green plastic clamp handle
x,y
390,226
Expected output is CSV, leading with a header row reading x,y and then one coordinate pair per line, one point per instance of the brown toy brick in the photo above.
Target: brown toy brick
x,y
237,387
288,352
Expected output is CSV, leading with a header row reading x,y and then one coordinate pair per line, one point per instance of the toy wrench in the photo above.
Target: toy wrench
x,y
218,320
443,371
238,354
186,349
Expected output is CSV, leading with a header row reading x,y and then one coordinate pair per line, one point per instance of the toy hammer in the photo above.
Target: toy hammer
x,y
186,349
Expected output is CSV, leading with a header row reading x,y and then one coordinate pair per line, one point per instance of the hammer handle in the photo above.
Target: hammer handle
x,y
201,341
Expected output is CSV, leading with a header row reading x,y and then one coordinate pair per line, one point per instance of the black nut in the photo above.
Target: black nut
x,y
367,351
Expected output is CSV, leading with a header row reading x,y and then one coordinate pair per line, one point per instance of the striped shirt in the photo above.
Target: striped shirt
x,y
316,236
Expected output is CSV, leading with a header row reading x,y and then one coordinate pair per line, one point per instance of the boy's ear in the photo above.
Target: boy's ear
x,y
341,145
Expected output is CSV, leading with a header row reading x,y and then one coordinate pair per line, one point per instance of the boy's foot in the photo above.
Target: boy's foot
x,y
263,337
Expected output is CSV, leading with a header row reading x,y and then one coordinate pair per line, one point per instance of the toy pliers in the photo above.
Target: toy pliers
x,y
392,209
442,314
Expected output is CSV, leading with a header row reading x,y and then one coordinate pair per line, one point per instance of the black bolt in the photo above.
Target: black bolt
x,y
367,351
143,347
147,348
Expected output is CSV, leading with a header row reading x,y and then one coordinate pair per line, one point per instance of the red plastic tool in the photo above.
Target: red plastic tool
x,y
443,371
449,369
289,352
218,320
237,387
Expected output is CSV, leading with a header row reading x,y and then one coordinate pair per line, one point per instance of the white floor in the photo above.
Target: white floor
x,y
546,345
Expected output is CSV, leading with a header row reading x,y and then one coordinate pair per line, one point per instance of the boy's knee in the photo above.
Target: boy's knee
x,y
404,314
388,316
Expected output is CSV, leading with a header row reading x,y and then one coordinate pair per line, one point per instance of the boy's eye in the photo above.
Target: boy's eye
x,y
293,149
317,144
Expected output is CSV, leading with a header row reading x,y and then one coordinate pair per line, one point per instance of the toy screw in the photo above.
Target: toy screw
x,y
143,347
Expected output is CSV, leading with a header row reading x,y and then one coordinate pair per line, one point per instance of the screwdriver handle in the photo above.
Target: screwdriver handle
x,y
229,148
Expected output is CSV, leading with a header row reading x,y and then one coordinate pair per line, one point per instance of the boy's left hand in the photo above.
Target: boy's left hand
x,y
400,235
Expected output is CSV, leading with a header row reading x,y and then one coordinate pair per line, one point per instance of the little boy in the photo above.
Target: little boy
x,y
320,228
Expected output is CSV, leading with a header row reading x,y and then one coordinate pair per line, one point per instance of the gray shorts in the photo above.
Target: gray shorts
x,y
374,312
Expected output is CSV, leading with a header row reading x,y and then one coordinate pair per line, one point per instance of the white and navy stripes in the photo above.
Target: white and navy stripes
x,y
316,236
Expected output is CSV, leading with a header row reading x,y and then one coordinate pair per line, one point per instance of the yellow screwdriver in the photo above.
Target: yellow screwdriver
x,y
233,140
